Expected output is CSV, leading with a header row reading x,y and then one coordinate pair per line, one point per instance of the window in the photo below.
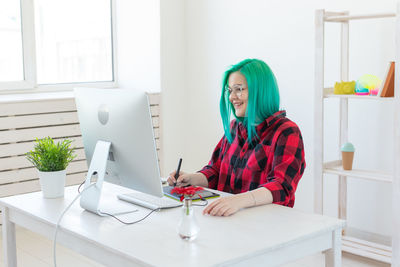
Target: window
x,y
11,62
73,41
67,42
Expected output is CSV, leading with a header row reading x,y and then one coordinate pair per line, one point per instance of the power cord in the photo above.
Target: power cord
x,y
59,221
205,202
129,223
158,209
79,187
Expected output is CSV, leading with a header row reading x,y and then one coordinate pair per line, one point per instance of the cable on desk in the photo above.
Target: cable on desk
x,y
59,221
205,203
129,223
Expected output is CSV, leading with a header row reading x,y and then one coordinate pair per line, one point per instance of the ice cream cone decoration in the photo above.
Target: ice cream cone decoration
x,y
347,156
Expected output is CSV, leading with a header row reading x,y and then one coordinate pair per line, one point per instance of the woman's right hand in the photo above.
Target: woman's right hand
x,y
183,179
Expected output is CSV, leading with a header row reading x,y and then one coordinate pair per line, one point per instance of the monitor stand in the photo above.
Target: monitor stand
x,y
90,199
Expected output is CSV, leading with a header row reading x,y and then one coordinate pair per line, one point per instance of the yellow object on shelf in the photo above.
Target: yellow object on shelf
x,y
344,88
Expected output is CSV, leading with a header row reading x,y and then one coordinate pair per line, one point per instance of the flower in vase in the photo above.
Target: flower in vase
x,y
187,192
187,226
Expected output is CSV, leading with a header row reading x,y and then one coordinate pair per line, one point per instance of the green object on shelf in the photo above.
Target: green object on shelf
x,y
344,88
348,147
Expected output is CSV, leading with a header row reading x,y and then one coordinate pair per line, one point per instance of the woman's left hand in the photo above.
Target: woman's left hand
x,y
226,206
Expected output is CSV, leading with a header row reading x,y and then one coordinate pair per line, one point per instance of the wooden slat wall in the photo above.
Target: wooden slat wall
x,y
22,122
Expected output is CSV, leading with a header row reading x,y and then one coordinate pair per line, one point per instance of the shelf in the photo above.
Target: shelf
x,y
367,249
328,93
335,167
358,246
344,18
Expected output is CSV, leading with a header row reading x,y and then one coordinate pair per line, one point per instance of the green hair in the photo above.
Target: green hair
x,y
263,100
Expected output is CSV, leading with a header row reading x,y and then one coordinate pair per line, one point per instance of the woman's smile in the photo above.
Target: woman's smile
x,y
237,104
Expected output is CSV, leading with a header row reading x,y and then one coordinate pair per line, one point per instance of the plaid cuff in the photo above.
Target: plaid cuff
x,y
279,196
211,175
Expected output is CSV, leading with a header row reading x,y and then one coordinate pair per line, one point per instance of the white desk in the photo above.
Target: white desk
x,y
263,236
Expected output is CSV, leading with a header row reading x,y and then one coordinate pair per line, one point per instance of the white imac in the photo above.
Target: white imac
x,y
119,142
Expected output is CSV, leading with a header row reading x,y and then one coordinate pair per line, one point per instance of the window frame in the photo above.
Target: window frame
x,y
29,84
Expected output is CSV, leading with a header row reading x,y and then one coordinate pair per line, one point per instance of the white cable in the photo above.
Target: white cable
x,y
59,221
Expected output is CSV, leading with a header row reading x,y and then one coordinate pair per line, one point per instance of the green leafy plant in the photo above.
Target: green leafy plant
x,y
48,156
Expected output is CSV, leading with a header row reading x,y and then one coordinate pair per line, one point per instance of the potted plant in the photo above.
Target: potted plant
x,y
51,160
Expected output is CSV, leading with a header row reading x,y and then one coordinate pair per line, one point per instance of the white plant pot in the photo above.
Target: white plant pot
x,y
52,183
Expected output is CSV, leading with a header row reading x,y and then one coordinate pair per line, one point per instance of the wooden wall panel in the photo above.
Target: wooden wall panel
x,y
37,120
25,174
20,162
37,107
18,149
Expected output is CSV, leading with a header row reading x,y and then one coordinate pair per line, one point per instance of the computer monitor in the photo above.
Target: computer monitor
x,y
119,142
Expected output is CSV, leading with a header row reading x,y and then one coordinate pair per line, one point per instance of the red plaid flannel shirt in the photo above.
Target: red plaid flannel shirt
x,y
275,160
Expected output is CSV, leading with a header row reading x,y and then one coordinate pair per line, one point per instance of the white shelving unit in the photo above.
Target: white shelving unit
x,y
388,254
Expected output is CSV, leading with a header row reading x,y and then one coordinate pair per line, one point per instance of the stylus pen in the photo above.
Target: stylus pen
x,y
177,170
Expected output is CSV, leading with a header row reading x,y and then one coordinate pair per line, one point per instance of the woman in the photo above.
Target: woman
x,y
260,158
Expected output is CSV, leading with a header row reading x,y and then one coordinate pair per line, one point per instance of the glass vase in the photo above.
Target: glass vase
x,y
188,227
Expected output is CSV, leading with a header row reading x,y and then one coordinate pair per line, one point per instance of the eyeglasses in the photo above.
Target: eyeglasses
x,y
236,89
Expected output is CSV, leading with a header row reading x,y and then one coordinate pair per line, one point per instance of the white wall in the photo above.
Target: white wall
x,y
174,131
138,44
219,33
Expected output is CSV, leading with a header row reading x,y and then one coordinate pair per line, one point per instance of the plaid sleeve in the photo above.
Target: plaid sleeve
x,y
211,171
287,167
